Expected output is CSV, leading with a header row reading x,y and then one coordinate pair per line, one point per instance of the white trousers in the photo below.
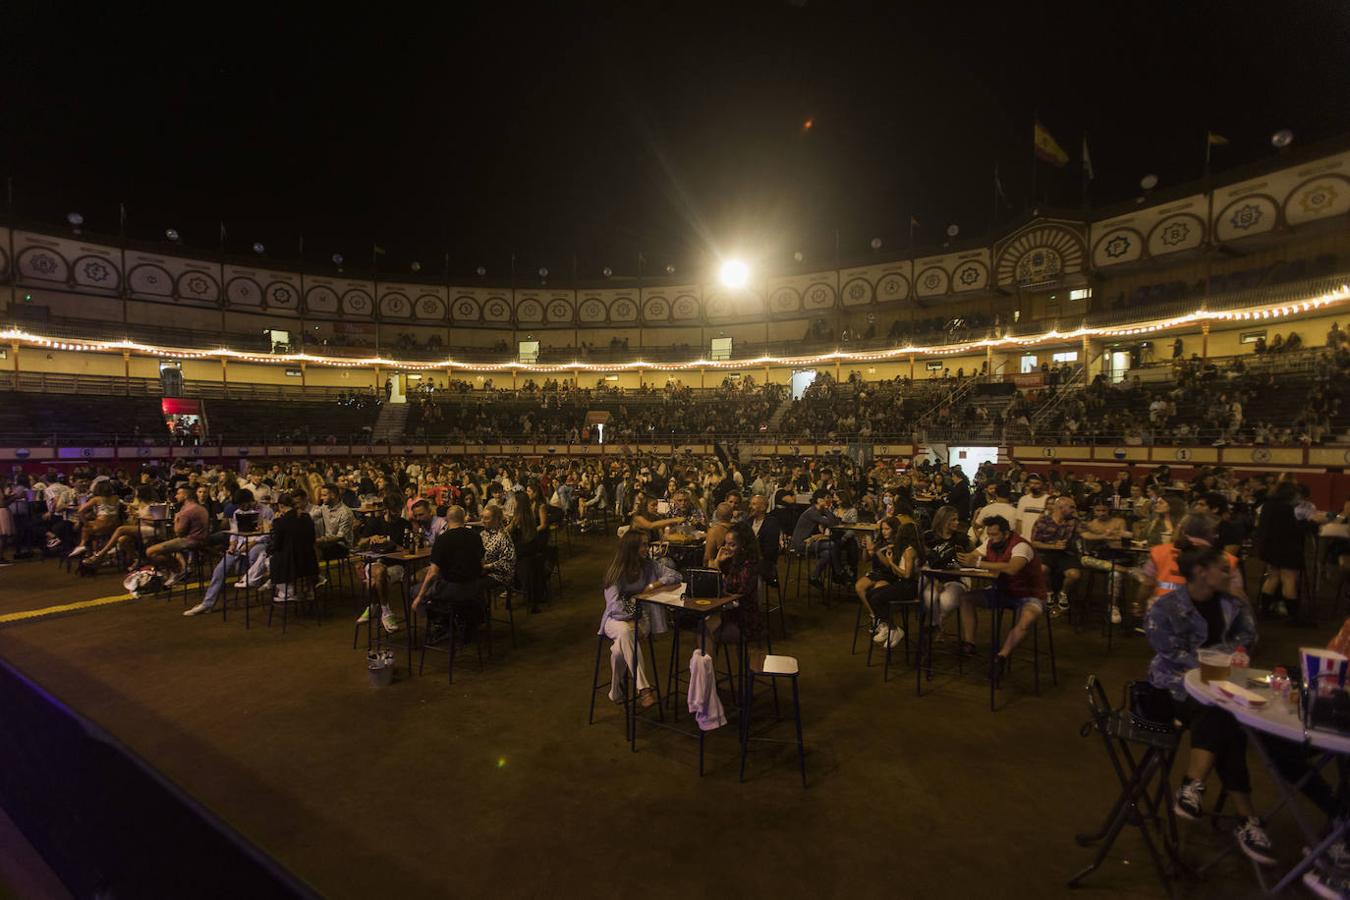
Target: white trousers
x,y
621,656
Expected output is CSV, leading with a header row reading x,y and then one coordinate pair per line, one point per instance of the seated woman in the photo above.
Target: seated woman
x,y
625,621
649,521
942,543
738,561
893,575
100,515
134,537
1200,614
1165,513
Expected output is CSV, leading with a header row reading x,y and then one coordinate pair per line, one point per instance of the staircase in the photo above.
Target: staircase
x,y
391,423
778,414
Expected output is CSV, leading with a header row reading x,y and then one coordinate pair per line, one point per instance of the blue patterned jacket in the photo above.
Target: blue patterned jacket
x,y
1176,630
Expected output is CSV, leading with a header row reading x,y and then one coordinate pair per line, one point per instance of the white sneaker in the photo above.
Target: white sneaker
x,y
173,578
879,636
1115,615
197,610
77,551
895,637
1253,842
391,622
241,584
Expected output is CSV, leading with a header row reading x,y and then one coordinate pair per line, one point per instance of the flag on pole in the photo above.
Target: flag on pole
x,y
1088,171
376,249
1047,148
999,193
1215,140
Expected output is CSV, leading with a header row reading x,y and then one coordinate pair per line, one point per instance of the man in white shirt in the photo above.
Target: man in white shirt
x,y
1031,506
1000,506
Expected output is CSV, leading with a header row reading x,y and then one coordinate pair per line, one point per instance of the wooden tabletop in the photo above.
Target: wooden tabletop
x,y
407,555
961,572
707,605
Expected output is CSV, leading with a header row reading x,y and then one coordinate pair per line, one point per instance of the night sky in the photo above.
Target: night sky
x,y
593,132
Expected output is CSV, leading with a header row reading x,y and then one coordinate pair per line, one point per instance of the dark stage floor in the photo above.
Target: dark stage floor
x,y
496,785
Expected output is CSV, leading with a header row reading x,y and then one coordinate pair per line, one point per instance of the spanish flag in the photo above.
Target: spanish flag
x,y
1047,148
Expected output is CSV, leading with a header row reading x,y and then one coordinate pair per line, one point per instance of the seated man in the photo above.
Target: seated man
x,y
385,531
334,524
450,587
1020,587
812,529
423,519
240,553
499,552
1097,533
1055,537
191,526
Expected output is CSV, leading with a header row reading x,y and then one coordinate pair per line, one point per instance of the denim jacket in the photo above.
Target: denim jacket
x,y
1176,630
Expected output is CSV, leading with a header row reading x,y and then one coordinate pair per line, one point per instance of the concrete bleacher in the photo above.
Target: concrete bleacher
x,y
44,419
280,421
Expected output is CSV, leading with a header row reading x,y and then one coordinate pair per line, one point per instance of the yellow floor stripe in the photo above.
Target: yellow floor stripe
x,y
25,615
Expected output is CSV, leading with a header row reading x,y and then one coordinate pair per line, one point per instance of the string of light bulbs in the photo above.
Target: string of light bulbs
x,y
1199,316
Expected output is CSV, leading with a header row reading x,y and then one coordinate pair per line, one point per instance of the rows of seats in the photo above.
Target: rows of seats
x,y
1281,272
288,421
41,418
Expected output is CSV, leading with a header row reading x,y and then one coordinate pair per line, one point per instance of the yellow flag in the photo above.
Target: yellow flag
x,y
1047,148
1216,140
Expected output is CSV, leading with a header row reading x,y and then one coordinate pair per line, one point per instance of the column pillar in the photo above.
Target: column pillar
x,y
1204,340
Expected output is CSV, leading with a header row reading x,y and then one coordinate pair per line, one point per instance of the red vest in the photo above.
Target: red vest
x,y
1030,582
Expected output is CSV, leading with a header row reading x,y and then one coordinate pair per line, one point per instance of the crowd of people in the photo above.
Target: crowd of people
x,y
1174,547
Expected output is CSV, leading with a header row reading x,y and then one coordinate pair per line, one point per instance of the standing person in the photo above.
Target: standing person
x,y
450,588
1279,544
1030,506
625,622
191,528
1194,616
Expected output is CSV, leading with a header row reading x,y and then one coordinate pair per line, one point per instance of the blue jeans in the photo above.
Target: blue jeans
x,y
228,563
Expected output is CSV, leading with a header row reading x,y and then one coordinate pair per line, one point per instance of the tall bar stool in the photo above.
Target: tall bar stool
x,y
1035,652
773,668
773,586
446,643
491,592
597,686
301,591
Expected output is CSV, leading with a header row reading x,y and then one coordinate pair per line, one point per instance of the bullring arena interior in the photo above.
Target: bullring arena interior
x,y
1009,559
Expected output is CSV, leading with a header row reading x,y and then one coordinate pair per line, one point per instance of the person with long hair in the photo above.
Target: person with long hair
x,y
529,540
1166,512
894,575
134,536
1279,544
943,541
625,621
739,562
99,515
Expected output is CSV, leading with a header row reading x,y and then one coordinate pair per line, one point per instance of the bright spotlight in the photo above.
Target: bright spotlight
x,y
735,273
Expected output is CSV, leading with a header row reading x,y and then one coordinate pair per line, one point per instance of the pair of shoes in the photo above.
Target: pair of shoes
x,y
197,610
1115,614
879,631
1189,801
1254,842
